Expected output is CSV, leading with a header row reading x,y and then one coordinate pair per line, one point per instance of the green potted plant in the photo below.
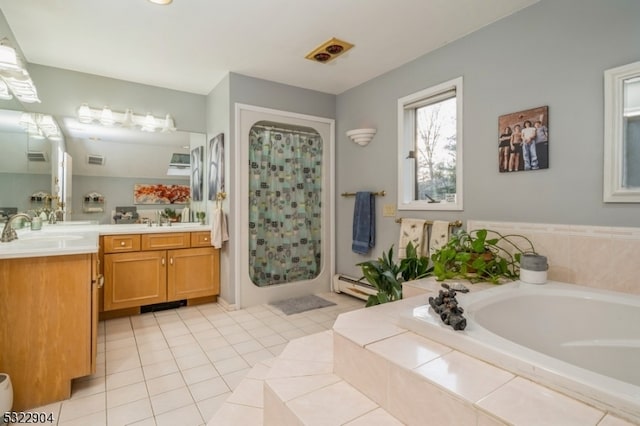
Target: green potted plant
x,y
476,257
170,214
387,276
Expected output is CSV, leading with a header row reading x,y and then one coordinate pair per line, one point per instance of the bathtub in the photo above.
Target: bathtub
x,y
580,341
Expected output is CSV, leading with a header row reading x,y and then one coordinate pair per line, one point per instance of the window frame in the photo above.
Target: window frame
x,y
407,106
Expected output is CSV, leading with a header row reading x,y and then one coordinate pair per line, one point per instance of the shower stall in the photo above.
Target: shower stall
x,y
285,231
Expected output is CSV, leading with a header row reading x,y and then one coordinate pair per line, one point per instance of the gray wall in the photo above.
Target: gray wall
x,y
218,112
16,188
63,91
553,53
117,192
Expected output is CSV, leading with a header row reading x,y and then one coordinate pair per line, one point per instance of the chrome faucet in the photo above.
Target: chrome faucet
x,y
53,218
8,233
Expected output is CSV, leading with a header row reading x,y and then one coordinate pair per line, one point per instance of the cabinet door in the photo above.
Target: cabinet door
x,y
134,279
193,273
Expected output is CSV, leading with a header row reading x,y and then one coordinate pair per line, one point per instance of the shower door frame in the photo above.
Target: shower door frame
x,y
241,154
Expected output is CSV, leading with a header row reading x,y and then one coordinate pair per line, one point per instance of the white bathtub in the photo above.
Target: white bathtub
x,y
580,341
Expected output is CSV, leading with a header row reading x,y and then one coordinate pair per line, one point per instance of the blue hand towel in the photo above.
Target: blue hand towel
x,y
364,223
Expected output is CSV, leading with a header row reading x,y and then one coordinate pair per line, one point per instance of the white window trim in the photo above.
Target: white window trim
x,y
614,191
406,183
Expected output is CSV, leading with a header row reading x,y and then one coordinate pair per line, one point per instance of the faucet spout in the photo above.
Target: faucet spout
x,y
8,233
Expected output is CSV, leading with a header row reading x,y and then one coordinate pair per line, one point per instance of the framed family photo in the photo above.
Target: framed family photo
x,y
523,143
216,166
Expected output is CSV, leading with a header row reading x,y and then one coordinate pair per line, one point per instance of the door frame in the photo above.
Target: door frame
x,y
330,257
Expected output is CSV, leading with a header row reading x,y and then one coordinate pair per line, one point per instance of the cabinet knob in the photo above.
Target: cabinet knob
x,y
122,243
206,238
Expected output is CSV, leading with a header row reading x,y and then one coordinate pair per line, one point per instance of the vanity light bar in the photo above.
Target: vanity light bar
x,y
127,119
40,126
15,76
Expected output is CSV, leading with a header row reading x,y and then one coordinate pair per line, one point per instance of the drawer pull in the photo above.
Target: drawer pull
x,y
206,238
122,243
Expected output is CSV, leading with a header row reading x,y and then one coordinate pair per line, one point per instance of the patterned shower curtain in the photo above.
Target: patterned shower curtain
x,y
285,177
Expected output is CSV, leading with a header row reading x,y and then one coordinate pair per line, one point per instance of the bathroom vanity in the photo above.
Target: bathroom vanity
x,y
52,293
48,316
149,268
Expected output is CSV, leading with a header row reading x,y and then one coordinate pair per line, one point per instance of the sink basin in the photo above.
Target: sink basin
x,y
48,237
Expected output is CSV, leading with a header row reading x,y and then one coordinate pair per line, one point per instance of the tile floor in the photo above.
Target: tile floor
x,y
179,366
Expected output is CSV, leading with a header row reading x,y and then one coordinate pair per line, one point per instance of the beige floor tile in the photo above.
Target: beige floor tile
x,y
95,419
234,415
248,392
165,383
183,416
169,401
80,407
346,404
124,378
199,374
230,365
129,413
208,388
126,394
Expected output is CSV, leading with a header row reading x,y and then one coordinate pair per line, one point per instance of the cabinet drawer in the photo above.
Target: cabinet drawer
x,y
121,243
169,240
201,239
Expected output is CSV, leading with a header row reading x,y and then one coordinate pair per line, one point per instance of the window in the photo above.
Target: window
x,y
622,134
430,148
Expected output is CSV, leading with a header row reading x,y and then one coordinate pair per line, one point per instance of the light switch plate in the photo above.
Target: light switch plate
x,y
389,210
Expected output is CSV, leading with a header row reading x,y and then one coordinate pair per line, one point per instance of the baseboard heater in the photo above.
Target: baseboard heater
x,y
353,286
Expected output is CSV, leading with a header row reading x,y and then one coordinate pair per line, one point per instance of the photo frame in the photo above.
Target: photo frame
x,y
216,166
523,141
196,173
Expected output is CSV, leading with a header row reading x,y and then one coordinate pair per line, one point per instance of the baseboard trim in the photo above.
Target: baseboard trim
x,y
226,305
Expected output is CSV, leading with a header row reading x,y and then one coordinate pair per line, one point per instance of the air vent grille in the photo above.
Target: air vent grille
x,y
36,156
97,160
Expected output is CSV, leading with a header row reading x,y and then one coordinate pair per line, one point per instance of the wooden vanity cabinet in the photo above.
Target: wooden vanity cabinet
x,y
48,325
164,267
192,273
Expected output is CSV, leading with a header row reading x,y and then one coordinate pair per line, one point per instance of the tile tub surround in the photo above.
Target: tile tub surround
x,y
419,381
602,257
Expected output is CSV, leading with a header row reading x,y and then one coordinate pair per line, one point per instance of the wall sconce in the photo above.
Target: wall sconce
x,y
127,119
14,77
361,136
40,126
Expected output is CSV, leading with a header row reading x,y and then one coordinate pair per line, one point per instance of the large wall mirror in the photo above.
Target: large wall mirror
x,y
105,160
622,134
27,163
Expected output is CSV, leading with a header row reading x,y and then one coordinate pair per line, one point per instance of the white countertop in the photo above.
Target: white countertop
x,y
65,238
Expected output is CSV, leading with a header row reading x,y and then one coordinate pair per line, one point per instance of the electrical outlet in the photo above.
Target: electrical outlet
x,y
389,210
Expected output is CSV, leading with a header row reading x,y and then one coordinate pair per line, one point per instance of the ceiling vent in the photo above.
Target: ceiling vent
x,y
36,156
179,165
96,160
329,50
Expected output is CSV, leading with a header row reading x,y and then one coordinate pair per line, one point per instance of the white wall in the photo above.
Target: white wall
x,y
553,53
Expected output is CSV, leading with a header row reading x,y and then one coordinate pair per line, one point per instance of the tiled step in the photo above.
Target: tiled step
x,y
299,388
